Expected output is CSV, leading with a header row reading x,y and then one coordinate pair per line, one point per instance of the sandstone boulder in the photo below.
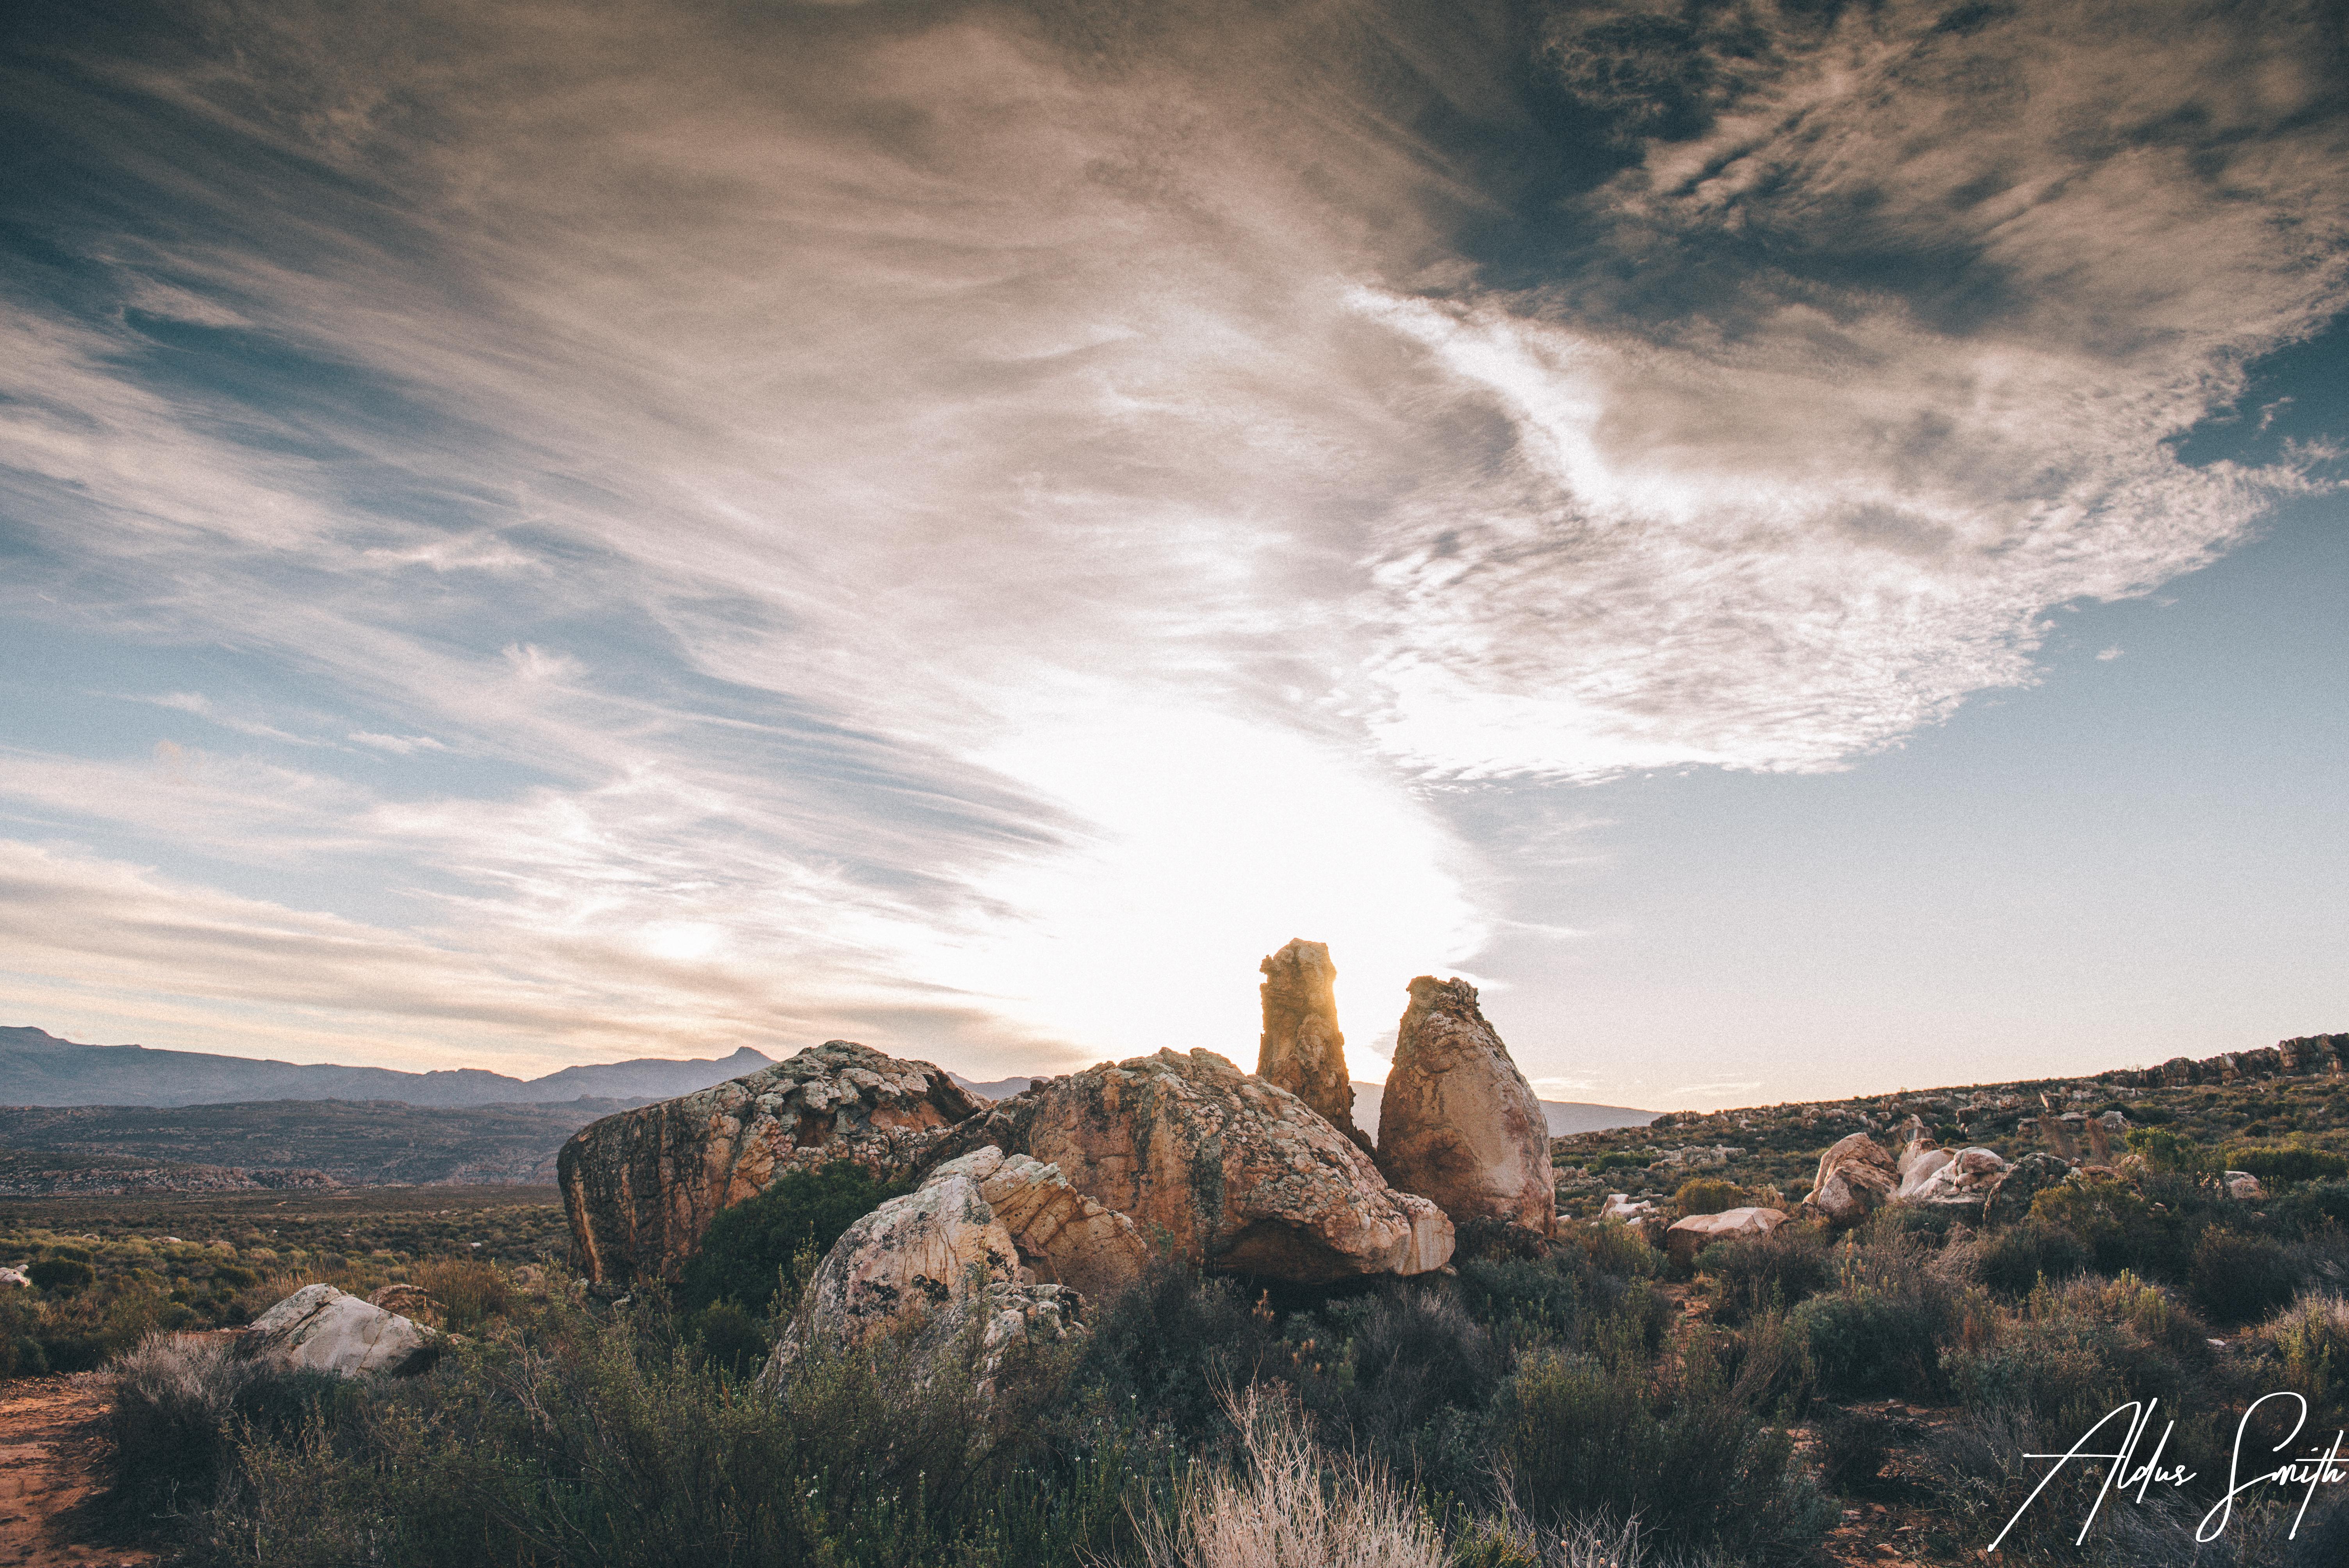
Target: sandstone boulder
x,y
1062,1237
641,1188
322,1330
1218,1169
1688,1237
1458,1124
2244,1187
14,1278
1302,1049
941,1265
1855,1176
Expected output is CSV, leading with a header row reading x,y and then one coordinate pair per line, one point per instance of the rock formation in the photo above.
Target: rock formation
x,y
321,1330
1302,1049
1691,1236
939,1263
1062,1237
641,1188
2008,1197
2307,1055
1459,1124
1856,1177
1218,1169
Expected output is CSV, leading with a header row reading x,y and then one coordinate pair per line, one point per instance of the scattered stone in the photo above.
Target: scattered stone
x,y
322,1330
1856,1177
15,1277
2244,1187
1459,1125
641,1188
1688,1237
1303,1050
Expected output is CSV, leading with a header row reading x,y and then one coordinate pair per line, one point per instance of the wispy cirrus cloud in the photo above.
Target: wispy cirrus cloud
x,y
1008,502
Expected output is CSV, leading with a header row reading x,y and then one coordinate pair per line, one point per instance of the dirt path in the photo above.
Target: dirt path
x,y
48,1449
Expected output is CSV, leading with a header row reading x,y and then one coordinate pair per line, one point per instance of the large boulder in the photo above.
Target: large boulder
x,y
1688,1237
641,1188
940,1265
1854,1179
1218,1169
1458,1124
1062,1237
322,1330
2010,1195
1301,1048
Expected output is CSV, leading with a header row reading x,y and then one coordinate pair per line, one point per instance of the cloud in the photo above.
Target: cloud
x,y
1003,515
2107,655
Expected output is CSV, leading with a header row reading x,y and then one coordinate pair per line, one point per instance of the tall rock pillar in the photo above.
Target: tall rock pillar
x,y
1303,1050
1459,1125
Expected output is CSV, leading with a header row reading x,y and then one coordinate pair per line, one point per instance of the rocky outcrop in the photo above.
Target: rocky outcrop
x,y
1459,1125
641,1188
1301,1048
1062,1237
1688,1237
1856,1177
941,1265
14,1279
2299,1057
321,1330
1218,1169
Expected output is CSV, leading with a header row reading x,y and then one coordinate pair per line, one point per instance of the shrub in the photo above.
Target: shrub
x,y
2014,1259
732,1337
178,1403
2167,1150
1542,1299
1577,1438
468,1292
62,1275
2310,1338
2114,1221
1291,1502
1880,1331
748,1244
1854,1447
2236,1278
1616,1248
1706,1195
2279,1167
1754,1275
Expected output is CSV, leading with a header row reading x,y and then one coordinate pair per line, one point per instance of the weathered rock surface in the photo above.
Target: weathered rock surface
x,y
1688,1237
641,1188
1946,1178
322,1330
2244,1187
2009,1198
409,1301
11,1278
1855,1176
1218,1169
1624,1207
1459,1125
1302,1049
940,1263
1062,1237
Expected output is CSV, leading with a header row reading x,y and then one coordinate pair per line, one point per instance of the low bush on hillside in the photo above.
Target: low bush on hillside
x,y
1756,1274
749,1246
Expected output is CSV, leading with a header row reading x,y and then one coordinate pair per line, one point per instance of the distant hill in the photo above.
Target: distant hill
x,y
1001,1088
1566,1116
39,1069
287,1143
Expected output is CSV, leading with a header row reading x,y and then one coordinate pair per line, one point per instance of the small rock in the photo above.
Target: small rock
x,y
1856,1177
2244,1187
1691,1236
325,1330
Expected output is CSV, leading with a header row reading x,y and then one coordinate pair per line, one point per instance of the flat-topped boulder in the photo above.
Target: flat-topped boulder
x,y
640,1188
1688,1237
1218,1169
1458,1124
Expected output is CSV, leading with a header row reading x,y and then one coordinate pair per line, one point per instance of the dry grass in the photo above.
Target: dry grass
x,y
1293,1505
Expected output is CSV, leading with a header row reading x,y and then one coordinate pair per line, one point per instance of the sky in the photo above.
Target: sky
x,y
1801,546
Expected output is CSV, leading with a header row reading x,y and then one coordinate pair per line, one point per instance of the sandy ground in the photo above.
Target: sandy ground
x,y
50,1443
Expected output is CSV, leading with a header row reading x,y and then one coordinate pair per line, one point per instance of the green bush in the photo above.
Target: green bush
x,y
731,1336
1755,1274
2167,1150
1881,1330
1578,1437
2014,1259
1706,1195
2278,1166
62,1275
747,1245
2236,1278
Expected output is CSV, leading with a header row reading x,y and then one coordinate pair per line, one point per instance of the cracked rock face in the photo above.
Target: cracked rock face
x,y
1063,1237
1302,1049
1459,1125
1219,1169
641,1188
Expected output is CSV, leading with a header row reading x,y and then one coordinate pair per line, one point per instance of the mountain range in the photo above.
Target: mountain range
x,y
39,1069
